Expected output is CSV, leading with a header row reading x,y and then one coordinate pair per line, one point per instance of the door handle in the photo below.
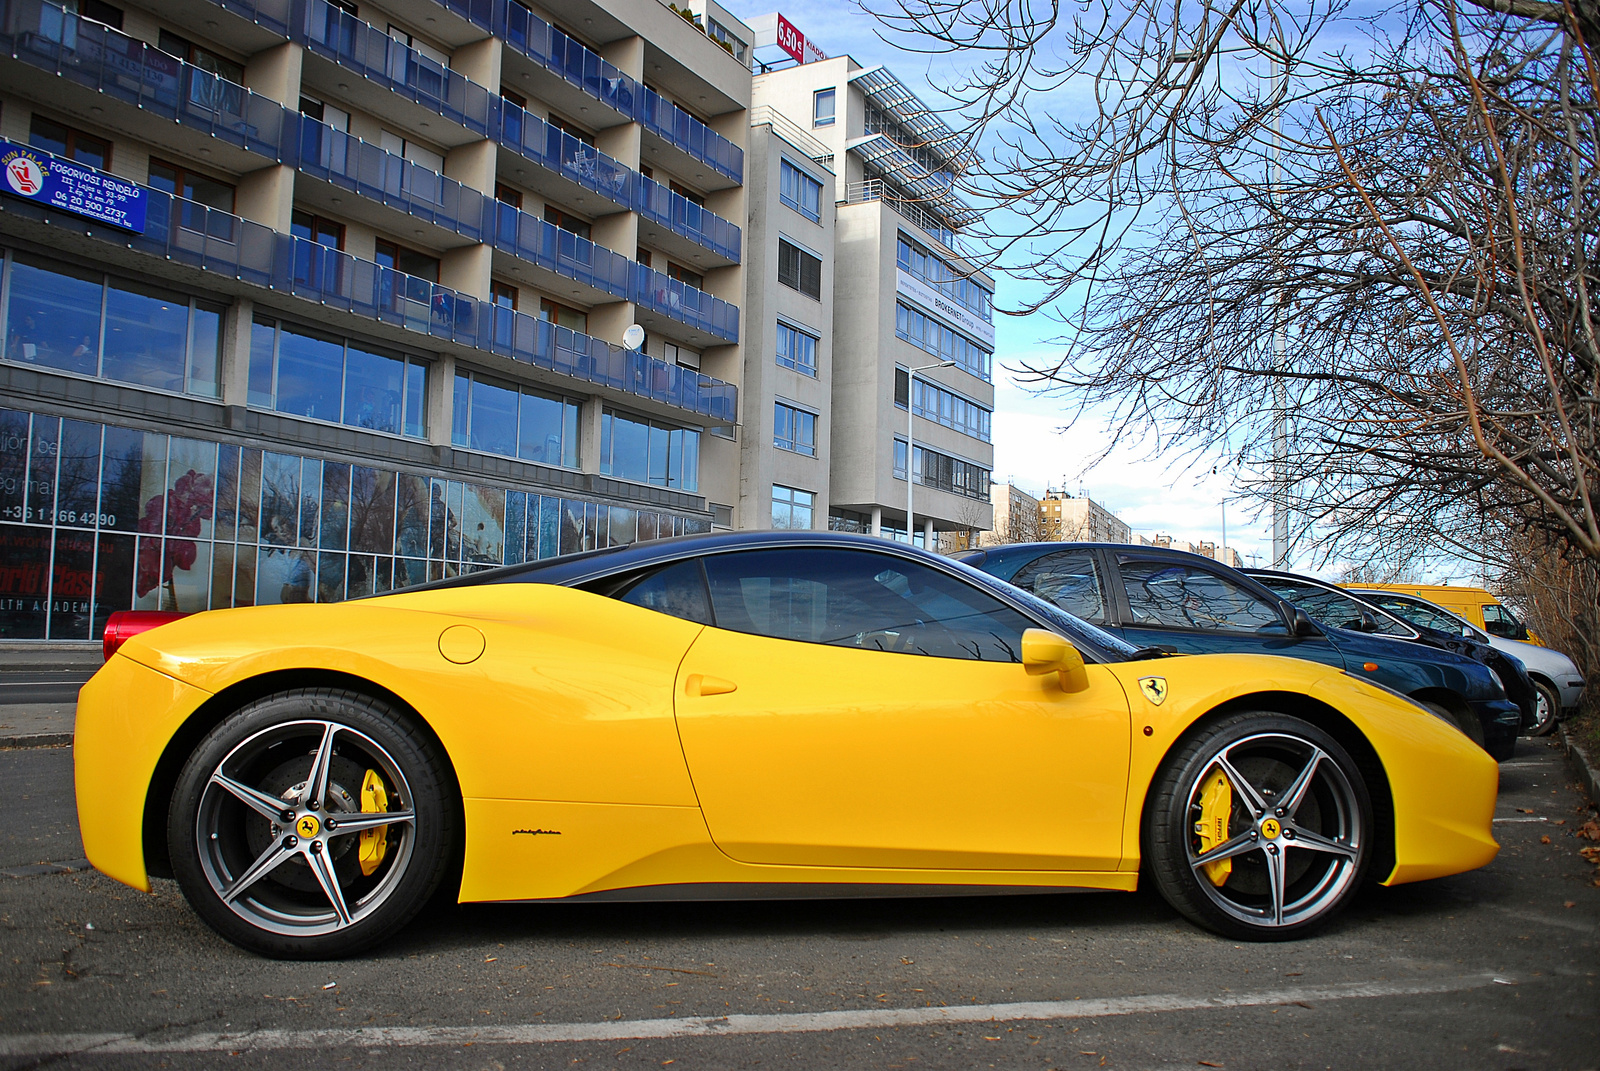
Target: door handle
x,y
698,684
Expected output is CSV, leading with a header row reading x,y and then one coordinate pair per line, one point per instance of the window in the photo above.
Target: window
x,y
54,137
676,354
792,508
1168,595
686,193
508,195
100,12
794,429
931,336
678,589
209,192
318,229
799,191
931,269
822,107
944,473
856,598
406,149
203,58
799,270
1329,607
932,402
1069,579
797,350
310,374
685,275
648,451
642,255
512,97
324,113
504,295
569,128
1498,621
408,261
564,316
501,418
566,221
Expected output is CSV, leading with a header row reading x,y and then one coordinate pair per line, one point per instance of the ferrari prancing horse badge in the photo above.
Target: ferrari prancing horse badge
x,y
1154,689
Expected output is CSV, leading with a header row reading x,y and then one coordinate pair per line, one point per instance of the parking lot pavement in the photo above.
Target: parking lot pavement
x,y
1492,969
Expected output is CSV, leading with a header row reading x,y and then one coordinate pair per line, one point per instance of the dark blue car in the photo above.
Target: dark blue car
x,y
1154,597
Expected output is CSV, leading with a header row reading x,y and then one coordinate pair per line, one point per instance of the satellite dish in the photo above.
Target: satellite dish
x,y
633,337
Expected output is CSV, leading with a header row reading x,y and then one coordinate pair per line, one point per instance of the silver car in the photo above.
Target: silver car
x,y
1554,675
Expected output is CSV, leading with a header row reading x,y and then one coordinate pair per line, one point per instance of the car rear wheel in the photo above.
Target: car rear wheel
x,y
1260,827
311,824
1547,709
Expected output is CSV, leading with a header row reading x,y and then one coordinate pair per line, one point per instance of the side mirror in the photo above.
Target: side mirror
x,y
1466,632
1046,652
1368,622
1300,624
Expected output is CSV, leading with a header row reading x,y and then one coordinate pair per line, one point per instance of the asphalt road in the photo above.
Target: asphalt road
x,y
1493,969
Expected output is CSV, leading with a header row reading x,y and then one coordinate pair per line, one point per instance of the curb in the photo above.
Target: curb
x,y
36,740
1585,768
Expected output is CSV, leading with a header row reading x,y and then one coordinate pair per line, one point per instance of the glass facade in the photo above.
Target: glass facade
x,y
943,472
932,402
648,451
71,319
311,374
96,518
931,336
932,269
792,508
500,418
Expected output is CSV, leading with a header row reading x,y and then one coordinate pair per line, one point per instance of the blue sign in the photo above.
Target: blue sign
x,y
71,187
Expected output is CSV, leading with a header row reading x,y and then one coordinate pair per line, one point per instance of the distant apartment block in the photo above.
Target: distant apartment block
x,y
1079,519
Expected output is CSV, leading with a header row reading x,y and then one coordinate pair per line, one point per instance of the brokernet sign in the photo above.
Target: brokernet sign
x,y
794,42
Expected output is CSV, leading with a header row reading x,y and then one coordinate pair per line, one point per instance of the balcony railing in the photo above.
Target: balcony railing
x,y
193,234
368,170
42,35
337,35
685,303
681,215
562,54
878,190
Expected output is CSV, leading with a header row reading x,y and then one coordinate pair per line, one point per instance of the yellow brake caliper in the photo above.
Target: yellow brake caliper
x,y
1216,806
375,841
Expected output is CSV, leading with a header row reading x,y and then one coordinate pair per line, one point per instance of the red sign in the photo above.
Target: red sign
x,y
794,42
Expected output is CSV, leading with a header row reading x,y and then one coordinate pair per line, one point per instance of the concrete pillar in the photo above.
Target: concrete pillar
x,y
479,61
266,196
608,321
877,520
589,434
626,55
234,377
618,231
275,73
473,165
468,269
927,534
621,143
441,399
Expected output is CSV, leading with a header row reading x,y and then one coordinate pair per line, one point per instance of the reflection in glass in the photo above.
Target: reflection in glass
x,y
13,464
72,586
205,350
78,478
42,451
24,584
335,506
113,578
373,386
147,335
53,315
280,499
372,510
309,373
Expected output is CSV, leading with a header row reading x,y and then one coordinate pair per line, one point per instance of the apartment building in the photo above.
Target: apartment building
x,y
1079,519
908,347
1018,517
308,299
1206,548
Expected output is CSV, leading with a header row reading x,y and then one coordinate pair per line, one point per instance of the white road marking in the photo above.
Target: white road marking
x,y
1523,818
795,1023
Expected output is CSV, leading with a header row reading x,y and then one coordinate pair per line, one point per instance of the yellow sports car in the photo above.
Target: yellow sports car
x,y
722,716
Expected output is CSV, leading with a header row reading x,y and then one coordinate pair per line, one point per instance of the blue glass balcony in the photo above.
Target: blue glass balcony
x,y
684,303
337,35
100,58
537,241
381,176
683,216
190,233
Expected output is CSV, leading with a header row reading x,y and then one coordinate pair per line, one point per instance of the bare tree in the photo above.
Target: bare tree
x,y
1382,230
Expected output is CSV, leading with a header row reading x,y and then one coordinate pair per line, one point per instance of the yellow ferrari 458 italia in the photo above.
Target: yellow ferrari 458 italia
x,y
744,715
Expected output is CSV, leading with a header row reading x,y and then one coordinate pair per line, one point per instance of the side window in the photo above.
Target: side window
x,y
861,599
1068,578
1331,608
1497,621
1168,595
678,589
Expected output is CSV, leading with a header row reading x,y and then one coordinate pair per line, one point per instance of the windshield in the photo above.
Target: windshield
x,y
1329,607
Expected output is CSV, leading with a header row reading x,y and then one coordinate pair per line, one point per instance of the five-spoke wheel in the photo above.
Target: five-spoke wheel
x,y
1259,827
310,824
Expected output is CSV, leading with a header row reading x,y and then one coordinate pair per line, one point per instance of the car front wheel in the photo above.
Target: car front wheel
x,y
311,824
1260,827
1547,710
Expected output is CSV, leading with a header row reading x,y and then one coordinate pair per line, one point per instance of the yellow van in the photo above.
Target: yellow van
x,y
1474,604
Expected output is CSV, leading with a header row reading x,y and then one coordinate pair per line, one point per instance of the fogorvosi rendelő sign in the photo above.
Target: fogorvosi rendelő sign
x,y
72,187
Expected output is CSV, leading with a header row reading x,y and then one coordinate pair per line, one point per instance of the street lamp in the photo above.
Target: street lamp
x,y
911,440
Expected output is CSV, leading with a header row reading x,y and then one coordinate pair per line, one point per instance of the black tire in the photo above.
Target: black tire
x,y
1322,842
320,878
1548,710
1464,720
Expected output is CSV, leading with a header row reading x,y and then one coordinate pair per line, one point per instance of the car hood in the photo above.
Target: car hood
x,y
1541,659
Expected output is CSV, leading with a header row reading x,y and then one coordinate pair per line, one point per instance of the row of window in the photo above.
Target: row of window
x,y
932,269
933,402
649,451
794,429
799,191
943,472
74,319
97,518
321,376
500,418
931,336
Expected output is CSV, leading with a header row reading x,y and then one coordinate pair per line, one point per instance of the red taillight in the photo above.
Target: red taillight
x,y
126,624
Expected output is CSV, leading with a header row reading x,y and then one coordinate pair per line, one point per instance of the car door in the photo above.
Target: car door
x,y
1196,610
862,709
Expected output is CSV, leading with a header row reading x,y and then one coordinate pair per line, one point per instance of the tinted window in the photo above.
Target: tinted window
x,y
1418,613
1497,621
1070,580
852,598
1331,607
1168,595
678,589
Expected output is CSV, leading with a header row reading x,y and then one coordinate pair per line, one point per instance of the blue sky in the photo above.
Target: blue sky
x,y
1034,446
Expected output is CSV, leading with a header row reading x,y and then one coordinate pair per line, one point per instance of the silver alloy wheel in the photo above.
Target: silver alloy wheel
x,y
276,828
1546,708
1294,830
